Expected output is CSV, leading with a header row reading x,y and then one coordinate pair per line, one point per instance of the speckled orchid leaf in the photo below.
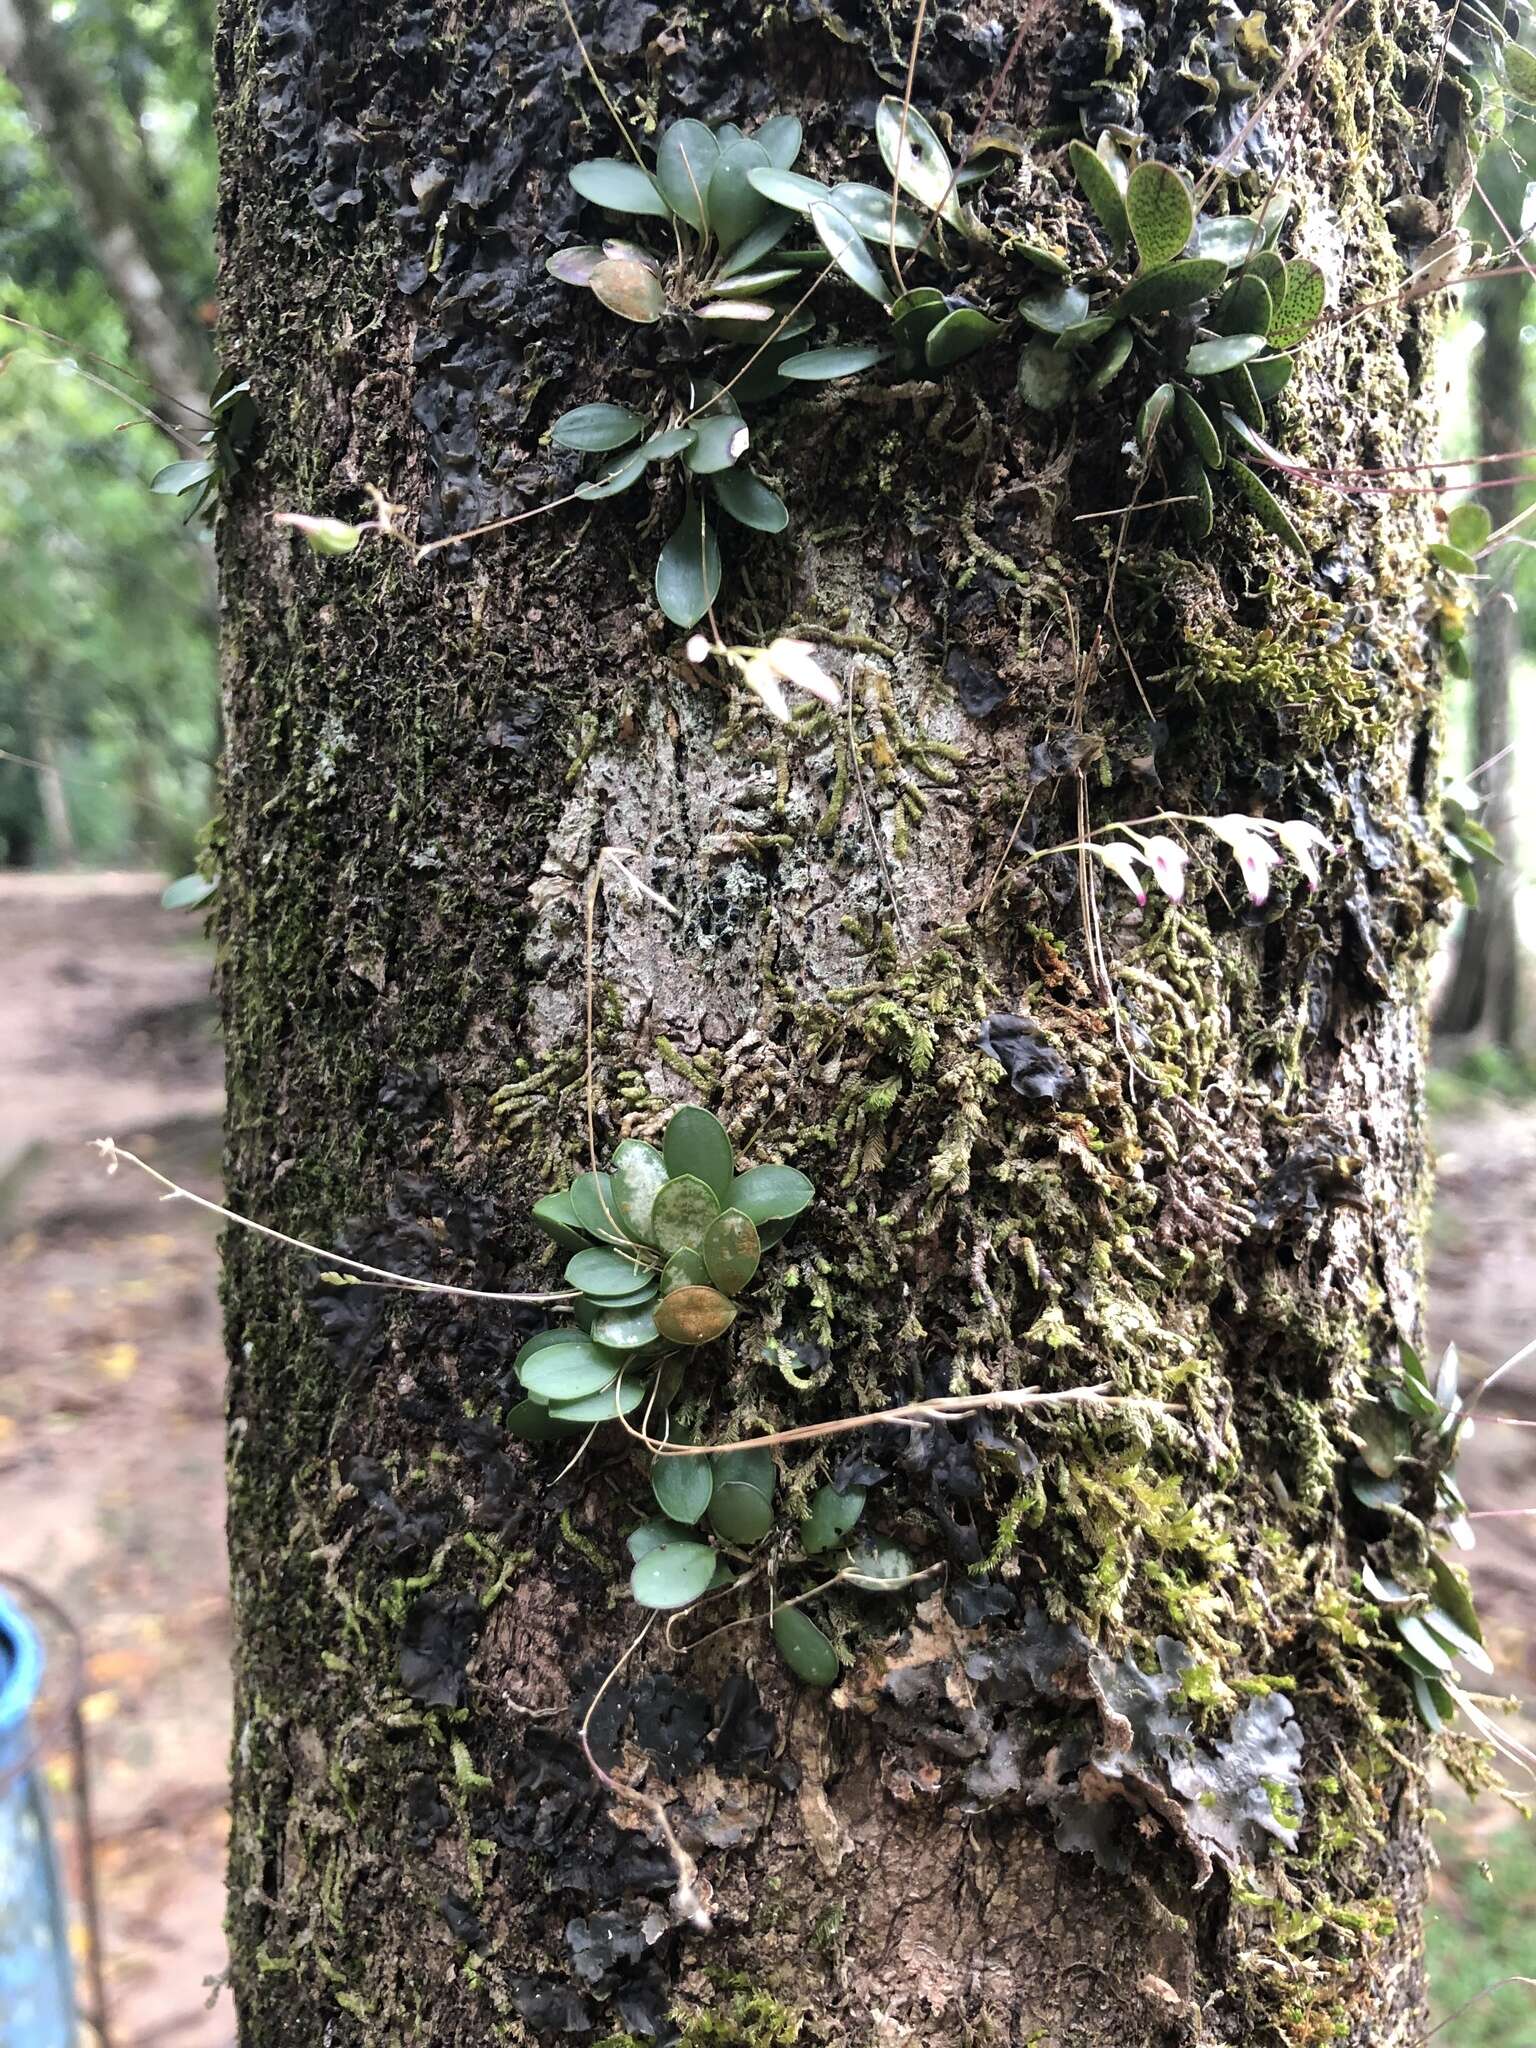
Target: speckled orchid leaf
x,y
685,161
1057,311
605,1275
558,1220
958,335
749,502
1198,511
1386,1592
592,1200
533,1423
1455,1598
568,1371
780,136
621,187
1154,415
688,568
1267,509
684,1269
1046,378
1084,333
1245,307
1103,192
1229,238
682,1212
672,1575
1300,304
917,160
1469,526
697,1143
1436,1707
734,205
541,1340
574,266
770,1195
622,1398
1224,352
1240,397
731,1250
832,1515
1270,374
1114,359
739,1514
629,289
653,1534
752,284
625,1329
1446,1629
682,1487
876,1565
822,365
790,189
598,427
1429,1653
1198,429
718,441
1159,208
638,1172
804,1648
751,1467
915,315
752,248
1173,289
693,1315
848,250
869,209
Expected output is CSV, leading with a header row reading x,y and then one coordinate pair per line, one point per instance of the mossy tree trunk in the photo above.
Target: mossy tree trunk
x,y
1213,1201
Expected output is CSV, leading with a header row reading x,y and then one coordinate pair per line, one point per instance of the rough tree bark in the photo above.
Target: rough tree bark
x,y
116,207
1483,994
424,765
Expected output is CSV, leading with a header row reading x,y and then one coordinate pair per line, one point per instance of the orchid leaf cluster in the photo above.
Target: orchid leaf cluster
x,y
729,201
1258,845
203,478
1209,303
1468,530
662,1247
1406,1444
1467,839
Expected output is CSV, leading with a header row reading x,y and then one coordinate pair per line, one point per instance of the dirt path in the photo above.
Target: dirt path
x,y
111,1382
111,1378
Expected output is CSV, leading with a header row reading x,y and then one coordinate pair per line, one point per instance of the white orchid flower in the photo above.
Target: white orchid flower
x,y
1169,861
795,661
1124,860
1303,842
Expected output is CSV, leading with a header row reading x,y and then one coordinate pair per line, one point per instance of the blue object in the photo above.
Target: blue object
x,y
37,2005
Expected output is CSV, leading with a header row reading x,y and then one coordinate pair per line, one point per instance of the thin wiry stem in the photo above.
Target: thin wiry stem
x,y
114,1155
945,1408
602,90
901,139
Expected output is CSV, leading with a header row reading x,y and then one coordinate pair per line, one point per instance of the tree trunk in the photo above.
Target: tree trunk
x,y
116,208
1208,1195
1483,995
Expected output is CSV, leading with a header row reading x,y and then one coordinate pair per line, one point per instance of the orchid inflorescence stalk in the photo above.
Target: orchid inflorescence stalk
x,y
1258,844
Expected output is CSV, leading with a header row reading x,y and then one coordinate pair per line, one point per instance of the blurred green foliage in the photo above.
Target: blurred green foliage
x,y
107,630
1481,1927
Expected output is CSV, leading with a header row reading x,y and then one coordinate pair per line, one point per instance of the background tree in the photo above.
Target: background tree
x,y
106,616
1202,1186
1483,995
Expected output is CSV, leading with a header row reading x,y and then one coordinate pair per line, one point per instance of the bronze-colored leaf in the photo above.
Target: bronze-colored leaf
x,y
694,1315
629,289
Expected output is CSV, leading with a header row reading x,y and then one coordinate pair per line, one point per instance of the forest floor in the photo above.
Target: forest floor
x,y
111,1435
